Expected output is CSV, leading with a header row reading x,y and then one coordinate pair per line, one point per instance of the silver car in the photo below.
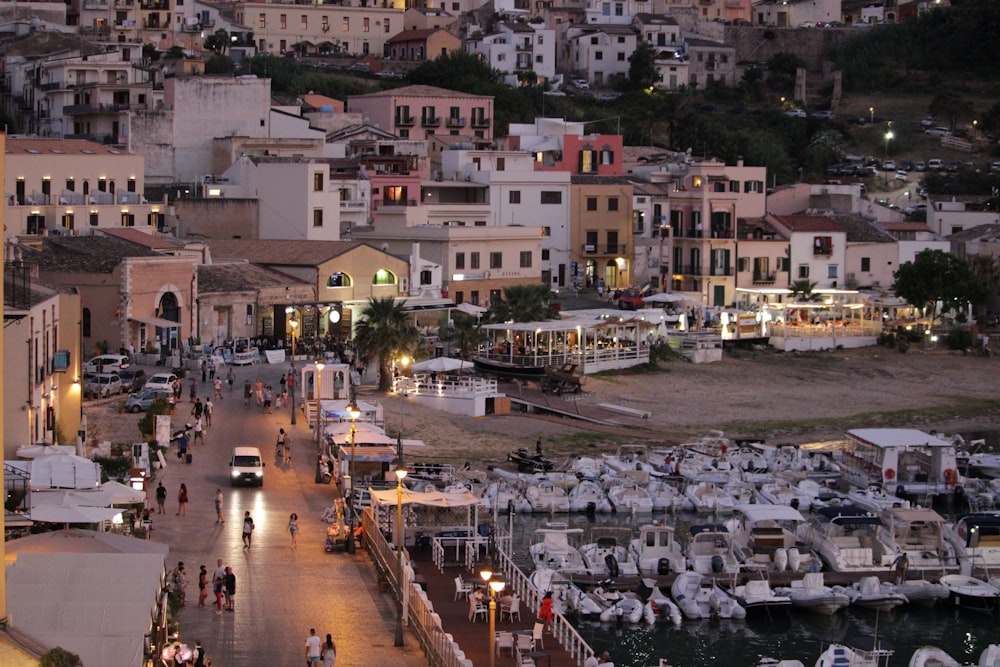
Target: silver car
x,y
102,385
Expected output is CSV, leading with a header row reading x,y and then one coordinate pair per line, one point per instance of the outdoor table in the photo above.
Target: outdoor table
x,y
536,655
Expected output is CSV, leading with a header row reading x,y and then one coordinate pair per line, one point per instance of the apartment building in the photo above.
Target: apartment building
x,y
601,231
516,48
422,112
817,248
599,53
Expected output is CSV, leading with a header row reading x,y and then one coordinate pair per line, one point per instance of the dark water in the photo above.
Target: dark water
x,y
787,635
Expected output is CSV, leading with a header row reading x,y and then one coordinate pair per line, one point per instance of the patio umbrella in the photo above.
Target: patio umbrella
x,y
72,513
665,297
440,365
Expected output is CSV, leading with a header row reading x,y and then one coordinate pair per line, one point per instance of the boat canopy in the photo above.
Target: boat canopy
x,y
763,512
848,514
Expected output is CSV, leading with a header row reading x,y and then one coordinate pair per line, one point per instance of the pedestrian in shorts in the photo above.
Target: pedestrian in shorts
x,y
230,585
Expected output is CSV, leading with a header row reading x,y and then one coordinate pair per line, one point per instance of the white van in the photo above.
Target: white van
x,y
106,363
246,466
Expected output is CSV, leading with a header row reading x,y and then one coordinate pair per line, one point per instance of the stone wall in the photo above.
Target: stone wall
x,y
216,218
759,44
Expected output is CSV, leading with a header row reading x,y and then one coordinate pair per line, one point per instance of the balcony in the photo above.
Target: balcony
x,y
822,250
405,121
764,278
154,5
95,4
431,121
55,85
690,269
124,3
603,249
455,121
480,122
721,271
352,204
394,203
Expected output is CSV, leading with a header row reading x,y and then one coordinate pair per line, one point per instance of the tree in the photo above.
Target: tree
x,y
524,303
983,281
465,332
384,330
175,53
218,41
642,68
802,290
60,657
933,276
950,105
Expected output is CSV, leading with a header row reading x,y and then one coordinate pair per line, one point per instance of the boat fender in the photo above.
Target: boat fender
x,y
612,563
890,474
718,565
794,559
950,477
663,566
780,559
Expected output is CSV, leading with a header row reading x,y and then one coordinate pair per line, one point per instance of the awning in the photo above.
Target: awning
x,y
157,322
431,498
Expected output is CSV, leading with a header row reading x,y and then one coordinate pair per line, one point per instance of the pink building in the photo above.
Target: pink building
x,y
423,112
559,145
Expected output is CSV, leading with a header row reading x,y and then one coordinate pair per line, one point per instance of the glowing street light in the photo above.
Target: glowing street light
x,y
871,114
354,413
496,586
400,475
294,324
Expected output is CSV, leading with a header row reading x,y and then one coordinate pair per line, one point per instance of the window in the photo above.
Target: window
x,y
718,186
318,181
338,279
283,22
473,260
459,260
426,277
783,263
94,218
591,203
734,186
262,21
743,264
753,186
317,217
866,263
501,163
831,271
71,185
588,161
514,196
823,245
551,197
385,22
496,260
545,254
474,297
598,55
525,259
131,185
803,270
384,277
621,57
366,24
612,203
128,220
546,231
607,156
304,22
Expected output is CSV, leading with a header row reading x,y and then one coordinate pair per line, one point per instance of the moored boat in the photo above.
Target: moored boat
x,y
699,597
972,593
871,593
812,594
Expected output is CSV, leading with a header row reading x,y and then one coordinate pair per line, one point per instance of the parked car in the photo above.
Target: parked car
x,y
826,115
914,208
631,299
106,363
889,165
796,113
161,381
937,131
133,379
995,167
140,402
934,164
902,176
928,121
953,166
920,165
906,165
580,83
102,385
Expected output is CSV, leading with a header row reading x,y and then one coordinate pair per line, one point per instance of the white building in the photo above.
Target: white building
x,y
599,53
517,47
613,12
817,248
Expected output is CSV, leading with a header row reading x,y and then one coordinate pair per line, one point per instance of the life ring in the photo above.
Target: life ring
x,y
890,474
950,477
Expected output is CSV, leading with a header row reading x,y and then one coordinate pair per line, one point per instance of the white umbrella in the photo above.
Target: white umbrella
x,y
440,365
665,297
120,494
72,513
471,309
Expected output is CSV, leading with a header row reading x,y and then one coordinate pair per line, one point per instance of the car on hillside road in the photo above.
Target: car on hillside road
x,y
920,165
796,113
938,131
825,115
902,176
935,164
927,122
889,165
914,208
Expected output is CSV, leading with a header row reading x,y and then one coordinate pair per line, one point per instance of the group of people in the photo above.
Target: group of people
x,y
320,651
223,584
264,395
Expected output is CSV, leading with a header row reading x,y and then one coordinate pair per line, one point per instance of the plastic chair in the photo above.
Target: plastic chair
x,y
511,608
525,643
462,588
536,634
505,640
476,609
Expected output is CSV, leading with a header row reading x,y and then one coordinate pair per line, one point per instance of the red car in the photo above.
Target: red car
x,y
630,299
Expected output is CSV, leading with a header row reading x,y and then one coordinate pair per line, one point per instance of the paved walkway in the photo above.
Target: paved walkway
x,y
280,592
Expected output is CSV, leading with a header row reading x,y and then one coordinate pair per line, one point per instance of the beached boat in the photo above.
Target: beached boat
x,y
656,551
630,497
846,539
699,597
871,593
588,496
812,594
545,496
756,596
709,498
608,555
513,366
919,533
528,462
711,550
628,457
765,536
972,593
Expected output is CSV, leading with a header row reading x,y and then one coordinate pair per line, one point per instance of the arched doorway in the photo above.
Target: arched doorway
x,y
168,309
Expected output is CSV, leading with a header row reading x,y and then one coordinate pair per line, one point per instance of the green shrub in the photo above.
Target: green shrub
x,y
60,657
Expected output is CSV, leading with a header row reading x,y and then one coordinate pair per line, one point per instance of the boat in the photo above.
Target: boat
x,y
976,539
921,592
990,657
699,597
909,460
666,496
782,492
628,457
697,467
919,534
972,593
630,609
585,467
629,497
528,462
756,596
711,550
588,496
875,499
656,551
871,593
839,655
709,498
567,597
513,366
932,656
751,464
505,497
663,607
765,536
545,496
986,464
609,556
812,594
846,539
790,458
554,549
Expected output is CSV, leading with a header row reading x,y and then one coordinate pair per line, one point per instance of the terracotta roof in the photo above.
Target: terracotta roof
x,y
808,223
417,91
316,101
860,230
280,252
87,254
151,241
44,146
905,226
240,277
413,35
987,232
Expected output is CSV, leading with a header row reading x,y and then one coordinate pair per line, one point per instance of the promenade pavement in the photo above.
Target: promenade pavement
x,y
281,591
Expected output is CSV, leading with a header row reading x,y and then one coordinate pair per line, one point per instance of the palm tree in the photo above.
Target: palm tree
x,y
384,330
465,332
524,303
802,290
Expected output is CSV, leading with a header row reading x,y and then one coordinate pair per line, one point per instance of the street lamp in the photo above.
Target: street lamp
x,y
319,406
496,586
401,390
400,475
871,114
353,411
888,137
294,324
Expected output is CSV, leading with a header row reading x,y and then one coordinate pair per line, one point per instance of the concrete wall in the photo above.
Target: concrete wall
x,y
759,44
216,218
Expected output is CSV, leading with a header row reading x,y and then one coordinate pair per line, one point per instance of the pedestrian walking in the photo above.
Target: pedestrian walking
x,y
218,389
178,580
267,400
161,498
545,613
182,446
313,647
199,431
211,369
329,651
218,507
194,390
177,390
204,370
247,393
202,586
218,585
198,656
198,409
230,584
293,527
247,530
209,408
182,500
230,379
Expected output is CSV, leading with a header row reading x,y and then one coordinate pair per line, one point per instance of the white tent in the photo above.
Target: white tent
x,y
666,297
441,365
63,513
430,498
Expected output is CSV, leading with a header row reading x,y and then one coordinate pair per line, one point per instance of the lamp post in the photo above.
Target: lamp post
x,y
294,324
871,114
888,137
400,475
353,411
401,389
495,586
319,407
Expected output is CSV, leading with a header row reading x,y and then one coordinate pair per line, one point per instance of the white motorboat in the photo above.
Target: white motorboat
x,y
756,595
990,657
631,609
609,556
871,593
588,496
765,536
839,655
698,467
817,466
782,492
932,656
812,594
567,597
505,497
976,539
919,534
556,549
921,592
666,496
629,497
846,540
709,498
711,550
875,499
585,467
986,464
699,597
628,457
971,592
656,551
545,496
663,607
751,464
